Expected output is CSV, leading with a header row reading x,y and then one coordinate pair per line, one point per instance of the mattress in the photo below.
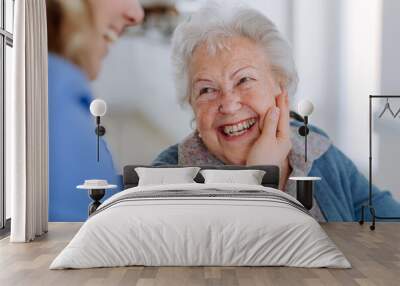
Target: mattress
x,y
201,225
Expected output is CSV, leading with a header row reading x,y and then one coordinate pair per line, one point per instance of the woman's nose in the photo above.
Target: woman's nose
x,y
134,13
229,103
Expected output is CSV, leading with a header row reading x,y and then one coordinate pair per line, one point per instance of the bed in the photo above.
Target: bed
x,y
201,224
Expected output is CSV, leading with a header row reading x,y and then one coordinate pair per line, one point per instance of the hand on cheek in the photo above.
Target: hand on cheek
x,y
273,145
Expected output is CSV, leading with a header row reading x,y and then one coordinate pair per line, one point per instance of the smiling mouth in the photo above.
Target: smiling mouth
x,y
239,128
111,36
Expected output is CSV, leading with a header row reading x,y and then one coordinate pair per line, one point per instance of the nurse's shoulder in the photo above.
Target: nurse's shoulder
x,y
65,78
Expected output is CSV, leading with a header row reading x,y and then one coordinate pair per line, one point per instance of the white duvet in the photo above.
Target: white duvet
x,y
185,231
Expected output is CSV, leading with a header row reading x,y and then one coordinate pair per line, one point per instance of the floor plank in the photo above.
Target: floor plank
x,y
375,257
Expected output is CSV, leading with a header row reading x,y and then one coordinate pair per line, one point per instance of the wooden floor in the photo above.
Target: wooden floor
x,y
375,257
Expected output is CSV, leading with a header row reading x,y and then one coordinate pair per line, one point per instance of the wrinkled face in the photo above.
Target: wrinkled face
x,y
111,17
231,91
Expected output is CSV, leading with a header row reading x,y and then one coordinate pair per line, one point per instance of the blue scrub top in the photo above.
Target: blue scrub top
x,y
72,143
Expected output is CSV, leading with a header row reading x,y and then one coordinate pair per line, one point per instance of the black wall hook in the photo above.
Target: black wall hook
x,y
100,131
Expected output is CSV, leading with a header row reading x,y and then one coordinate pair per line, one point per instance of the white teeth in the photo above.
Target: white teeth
x,y
111,35
240,128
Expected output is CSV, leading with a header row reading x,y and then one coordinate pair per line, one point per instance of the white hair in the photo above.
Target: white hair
x,y
211,24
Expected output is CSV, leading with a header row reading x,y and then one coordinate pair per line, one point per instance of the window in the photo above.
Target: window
x,y
6,45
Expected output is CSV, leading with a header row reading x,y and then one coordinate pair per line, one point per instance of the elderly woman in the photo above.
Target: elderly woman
x,y
237,73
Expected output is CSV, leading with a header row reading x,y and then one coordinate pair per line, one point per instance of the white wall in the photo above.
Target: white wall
x,y
316,44
387,154
337,52
390,45
359,75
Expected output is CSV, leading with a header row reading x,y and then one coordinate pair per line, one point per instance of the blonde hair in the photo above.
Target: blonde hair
x,y
70,24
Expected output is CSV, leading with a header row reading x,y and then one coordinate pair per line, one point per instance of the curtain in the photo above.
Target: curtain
x,y
27,124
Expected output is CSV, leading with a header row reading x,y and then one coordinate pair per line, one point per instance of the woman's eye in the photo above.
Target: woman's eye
x,y
206,90
243,80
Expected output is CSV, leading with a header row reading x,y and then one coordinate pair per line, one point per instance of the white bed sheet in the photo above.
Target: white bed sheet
x,y
200,231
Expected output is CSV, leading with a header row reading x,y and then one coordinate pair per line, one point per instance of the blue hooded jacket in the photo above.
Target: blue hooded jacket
x,y
342,190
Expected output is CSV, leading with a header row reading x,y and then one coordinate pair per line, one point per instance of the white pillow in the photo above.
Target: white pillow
x,y
162,176
248,177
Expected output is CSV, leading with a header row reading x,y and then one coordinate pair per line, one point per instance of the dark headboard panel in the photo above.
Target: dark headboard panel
x,y
270,179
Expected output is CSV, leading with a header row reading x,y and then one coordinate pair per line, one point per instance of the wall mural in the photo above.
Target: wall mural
x,y
183,83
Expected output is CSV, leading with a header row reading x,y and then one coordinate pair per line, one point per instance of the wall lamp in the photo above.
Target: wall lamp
x,y
98,108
